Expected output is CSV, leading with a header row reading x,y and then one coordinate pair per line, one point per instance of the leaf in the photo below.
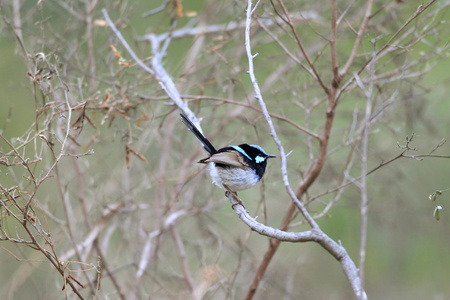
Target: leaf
x,y
437,212
434,196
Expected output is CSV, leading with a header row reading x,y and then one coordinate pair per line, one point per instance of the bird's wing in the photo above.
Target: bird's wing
x,y
228,158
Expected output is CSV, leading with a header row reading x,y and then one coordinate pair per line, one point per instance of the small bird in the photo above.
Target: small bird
x,y
232,168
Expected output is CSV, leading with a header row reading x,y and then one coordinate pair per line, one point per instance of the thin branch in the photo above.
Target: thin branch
x,y
156,10
388,44
157,70
420,9
266,114
217,28
364,154
285,49
125,44
334,60
289,22
228,101
359,37
182,256
327,243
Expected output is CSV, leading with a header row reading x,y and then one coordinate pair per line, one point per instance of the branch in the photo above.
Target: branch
x,y
216,28
288,21
419,10
364,153
327,243
157,70
313,235
182,256
225,100
125,44
334,60
285,49
359,36
266,114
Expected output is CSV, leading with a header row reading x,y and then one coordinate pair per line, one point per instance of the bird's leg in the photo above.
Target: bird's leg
x,y
234,194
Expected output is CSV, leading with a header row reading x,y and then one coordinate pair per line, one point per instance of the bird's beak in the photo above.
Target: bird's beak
x,y
270,155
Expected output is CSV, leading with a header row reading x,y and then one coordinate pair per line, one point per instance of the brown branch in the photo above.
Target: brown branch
x,y
285,49
308,181
53,260
289,22
419,10
357,178
359,37
334,60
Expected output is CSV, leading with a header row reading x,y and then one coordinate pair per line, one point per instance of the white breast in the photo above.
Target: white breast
x,y
235,178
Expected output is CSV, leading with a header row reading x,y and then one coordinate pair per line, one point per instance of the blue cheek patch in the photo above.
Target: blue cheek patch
x,y
259,159
240,150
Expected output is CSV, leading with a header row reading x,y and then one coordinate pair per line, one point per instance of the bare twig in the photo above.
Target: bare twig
x,y
182,256
364,154
266,114
289,22
358,39
334,59
386,46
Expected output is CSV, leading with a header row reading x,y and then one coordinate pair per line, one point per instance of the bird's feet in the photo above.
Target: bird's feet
x,y
235,196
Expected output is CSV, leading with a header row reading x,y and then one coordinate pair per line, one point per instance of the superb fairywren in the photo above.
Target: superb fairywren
x,y
232,168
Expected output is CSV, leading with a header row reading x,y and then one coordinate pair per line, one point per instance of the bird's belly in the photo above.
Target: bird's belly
x,y
235,179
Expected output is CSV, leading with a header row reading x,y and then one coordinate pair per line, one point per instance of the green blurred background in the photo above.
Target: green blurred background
x,y
407,250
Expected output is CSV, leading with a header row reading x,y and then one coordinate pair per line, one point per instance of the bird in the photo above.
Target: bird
x,y
232,168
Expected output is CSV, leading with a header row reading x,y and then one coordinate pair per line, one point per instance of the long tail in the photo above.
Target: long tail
x,y
204,141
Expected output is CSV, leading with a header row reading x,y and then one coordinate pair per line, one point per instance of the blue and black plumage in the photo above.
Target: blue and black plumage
x,y
236,167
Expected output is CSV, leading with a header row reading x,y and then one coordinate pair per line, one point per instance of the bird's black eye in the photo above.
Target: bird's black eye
x,y
260,149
